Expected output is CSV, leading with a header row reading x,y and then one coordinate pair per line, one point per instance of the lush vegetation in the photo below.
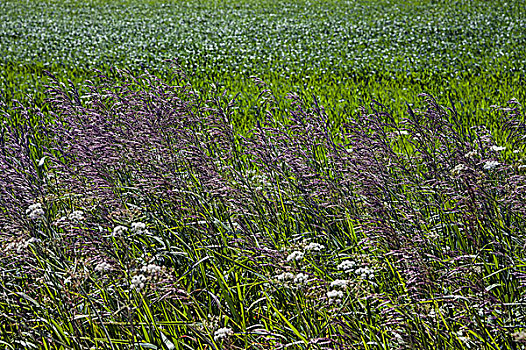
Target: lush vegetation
x,y
344,52
189,207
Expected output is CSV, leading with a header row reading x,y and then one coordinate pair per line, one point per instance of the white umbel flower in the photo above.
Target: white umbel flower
x,y
365,273
151,268
138,227
223,333
335,295
35,211
137,282
76,215
497,148
102,267
314,247
285,276
339,284
119,230
491,164
296,255
346,265
458,169
300,278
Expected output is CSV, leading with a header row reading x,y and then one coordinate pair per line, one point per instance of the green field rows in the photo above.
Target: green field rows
x,y
344,52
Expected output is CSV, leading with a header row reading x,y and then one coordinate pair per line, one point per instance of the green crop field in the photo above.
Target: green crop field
x,y
262,174
343,52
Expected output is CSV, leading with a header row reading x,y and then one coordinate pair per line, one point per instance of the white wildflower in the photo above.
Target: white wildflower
x,y
365,272
402,132
462,338
138,227
471,154
491,164
339,284
222,333
335,295
285,276
296,255
458,169
497,148
103,266
519,336
516,151
346,265
119,230
398,338
137,282
151,268
76,215
35,211
300,278
314,247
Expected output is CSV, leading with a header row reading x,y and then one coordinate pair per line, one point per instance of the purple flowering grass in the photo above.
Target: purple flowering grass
x,y
429,210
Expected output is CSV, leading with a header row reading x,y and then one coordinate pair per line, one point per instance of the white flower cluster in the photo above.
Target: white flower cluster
x,y
151,268
339,284
77,215
497,148
35,211
300,278
335,296
223,333
314,247
138,227
102,267
295,255
490,164
471,154
137,282
119,230
21,245
365,272
458,169
346,265
285,276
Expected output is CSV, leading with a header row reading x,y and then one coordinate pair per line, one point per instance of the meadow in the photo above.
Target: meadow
x,y
262,174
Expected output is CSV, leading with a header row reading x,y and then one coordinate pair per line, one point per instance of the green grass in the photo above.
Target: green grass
x,y
344,53
227,202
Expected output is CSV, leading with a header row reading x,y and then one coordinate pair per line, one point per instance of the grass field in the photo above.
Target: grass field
x,y
308,175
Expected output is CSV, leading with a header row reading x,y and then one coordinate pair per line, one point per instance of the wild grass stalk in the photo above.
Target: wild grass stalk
x,y
137,216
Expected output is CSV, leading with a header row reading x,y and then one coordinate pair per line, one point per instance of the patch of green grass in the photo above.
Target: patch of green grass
x,y
344,52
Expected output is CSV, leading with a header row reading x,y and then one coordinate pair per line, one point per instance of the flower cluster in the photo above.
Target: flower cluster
x,y
223,333
313,246
138,282
119,230
138,228
21,245
346,265
151,268
102,267
335,296
77,215
295,255
490,164
35,211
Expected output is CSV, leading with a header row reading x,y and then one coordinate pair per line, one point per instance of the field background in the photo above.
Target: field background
x,y
345,53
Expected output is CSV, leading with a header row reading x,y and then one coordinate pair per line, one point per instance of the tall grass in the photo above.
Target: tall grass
x,y
136,216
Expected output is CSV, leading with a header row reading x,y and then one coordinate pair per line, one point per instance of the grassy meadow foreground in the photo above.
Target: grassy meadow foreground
x,y
365,190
